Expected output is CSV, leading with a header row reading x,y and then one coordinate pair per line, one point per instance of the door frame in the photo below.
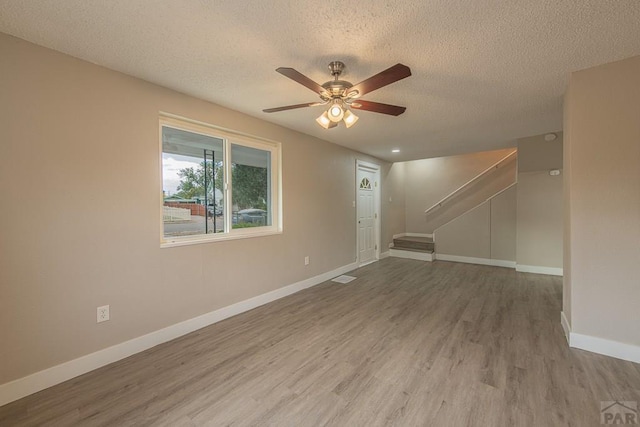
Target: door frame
x,y
375,169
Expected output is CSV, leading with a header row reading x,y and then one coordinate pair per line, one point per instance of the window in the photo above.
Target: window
x,y
217,184
365,184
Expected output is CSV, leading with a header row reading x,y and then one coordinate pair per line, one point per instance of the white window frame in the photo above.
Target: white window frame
x,y
229,137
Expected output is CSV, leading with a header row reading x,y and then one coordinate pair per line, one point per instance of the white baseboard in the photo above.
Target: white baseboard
x,y
611,348
473,260
566,326
552,271
501,263
33,383
420,256
615,349
384,255
397,236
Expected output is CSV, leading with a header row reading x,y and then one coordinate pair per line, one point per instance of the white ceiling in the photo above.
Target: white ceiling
x,y
485,72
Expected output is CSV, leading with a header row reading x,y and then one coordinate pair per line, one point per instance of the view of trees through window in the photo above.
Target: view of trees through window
x,y
250,190
193,184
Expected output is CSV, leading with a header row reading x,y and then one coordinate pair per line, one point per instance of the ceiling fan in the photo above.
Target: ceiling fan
x,y
341,95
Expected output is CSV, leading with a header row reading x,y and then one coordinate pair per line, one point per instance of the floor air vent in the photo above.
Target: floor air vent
x,y
343,279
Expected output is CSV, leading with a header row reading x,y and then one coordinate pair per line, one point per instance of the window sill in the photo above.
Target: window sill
x,y
211,238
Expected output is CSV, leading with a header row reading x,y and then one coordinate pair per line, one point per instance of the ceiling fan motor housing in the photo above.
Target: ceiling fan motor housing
x,y
336,88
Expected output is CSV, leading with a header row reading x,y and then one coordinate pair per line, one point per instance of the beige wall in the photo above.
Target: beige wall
x,y
540,204
503,225
468,235
539,236
487,231
394,198
602,160
566,208
80,216
428,181
536,154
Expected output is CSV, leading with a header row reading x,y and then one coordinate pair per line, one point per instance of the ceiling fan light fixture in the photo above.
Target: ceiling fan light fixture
x,y
350,119
323,120
336,112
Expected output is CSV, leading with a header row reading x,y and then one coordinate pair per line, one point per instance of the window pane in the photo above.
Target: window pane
x,y
192,183
250,187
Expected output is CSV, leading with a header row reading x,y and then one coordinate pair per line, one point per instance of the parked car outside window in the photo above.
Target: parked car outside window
x,y
252,216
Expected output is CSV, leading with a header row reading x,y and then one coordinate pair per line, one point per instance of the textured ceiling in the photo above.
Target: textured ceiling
x,y
484,72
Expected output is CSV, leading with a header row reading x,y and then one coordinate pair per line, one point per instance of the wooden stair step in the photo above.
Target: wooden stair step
x,y
427,251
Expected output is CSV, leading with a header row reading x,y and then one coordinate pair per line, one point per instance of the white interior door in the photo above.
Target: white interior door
x,y
366,216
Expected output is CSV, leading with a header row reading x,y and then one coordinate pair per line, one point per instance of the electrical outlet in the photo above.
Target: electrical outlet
x,y
306,260
103,314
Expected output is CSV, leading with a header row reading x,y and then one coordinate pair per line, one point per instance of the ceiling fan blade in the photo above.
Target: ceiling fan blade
x,y
378,107
384,78
303,80
292,107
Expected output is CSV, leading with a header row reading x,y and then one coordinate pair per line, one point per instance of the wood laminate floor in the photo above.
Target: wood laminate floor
x,y
408,343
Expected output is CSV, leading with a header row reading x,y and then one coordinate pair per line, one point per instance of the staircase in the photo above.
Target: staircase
x,y
420,248
483,187
474,192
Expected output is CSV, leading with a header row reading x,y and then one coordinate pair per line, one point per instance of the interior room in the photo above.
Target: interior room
x,y
339,213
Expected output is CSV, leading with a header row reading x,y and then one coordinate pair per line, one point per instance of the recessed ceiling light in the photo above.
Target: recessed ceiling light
x,y
395,150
